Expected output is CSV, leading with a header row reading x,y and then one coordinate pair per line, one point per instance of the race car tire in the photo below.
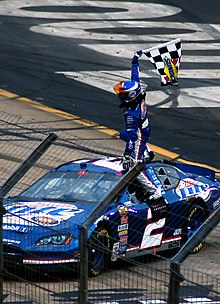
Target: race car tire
x,y
195,217
99,251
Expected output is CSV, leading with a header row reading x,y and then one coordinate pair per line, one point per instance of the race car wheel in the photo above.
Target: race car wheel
x,y
196,216
99,251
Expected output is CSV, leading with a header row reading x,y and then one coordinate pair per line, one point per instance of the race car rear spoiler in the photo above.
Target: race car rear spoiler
x,y
193,169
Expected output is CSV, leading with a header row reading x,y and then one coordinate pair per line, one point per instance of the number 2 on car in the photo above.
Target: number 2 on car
x,y
150,240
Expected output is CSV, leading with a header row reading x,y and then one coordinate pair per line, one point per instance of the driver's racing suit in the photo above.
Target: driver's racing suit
x,y
137,131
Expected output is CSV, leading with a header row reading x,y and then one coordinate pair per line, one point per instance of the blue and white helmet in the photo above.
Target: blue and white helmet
x,y
127,90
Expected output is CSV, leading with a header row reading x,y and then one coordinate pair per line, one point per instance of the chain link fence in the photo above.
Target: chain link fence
x,y
145,279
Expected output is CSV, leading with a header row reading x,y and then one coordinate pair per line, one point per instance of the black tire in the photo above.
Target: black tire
x,y
195,217
99,251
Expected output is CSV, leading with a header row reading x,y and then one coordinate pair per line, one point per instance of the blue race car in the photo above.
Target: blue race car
x,y
41,225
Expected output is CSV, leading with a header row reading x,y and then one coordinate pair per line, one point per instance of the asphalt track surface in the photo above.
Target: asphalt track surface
x,y
68,57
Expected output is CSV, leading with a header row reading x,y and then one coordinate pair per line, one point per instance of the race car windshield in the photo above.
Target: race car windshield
x,y
72,186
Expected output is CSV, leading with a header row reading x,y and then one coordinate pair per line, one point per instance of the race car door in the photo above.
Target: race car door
x,y
145,230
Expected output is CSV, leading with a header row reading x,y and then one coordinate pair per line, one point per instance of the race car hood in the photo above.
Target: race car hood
x,y
51,214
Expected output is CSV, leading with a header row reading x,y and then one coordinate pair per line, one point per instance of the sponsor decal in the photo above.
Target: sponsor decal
x,y
123,233
46,221
44,213
154,178
205,195
123,240
143,109
170,68
82,172
216,203
132,94
9,241
128,203
177,231
110,164
123,210
122,248
189,187
115,252
15,228
124,219
123,227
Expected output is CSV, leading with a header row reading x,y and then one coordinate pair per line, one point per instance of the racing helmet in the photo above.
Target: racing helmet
x,y
127,90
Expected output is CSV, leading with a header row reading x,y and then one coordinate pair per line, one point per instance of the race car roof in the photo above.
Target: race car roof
x,y
109,164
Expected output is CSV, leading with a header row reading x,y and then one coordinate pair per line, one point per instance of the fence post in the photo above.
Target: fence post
x,y
2,211
200,234
174,285
27,164
10,183
84,276
83,237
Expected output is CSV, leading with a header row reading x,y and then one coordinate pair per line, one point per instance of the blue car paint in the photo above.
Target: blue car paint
x,y
26,235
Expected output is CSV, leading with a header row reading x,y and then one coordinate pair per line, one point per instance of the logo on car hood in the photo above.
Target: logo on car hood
x,y
39,213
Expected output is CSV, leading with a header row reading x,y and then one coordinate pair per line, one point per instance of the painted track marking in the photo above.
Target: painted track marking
x,y
103,129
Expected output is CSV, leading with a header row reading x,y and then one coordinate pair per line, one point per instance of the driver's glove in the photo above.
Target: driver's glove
x,y
126,161
138,53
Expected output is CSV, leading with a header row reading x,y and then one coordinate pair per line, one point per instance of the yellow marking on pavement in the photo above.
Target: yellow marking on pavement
x,y
164,152
68,116
177,157
7,94
102,129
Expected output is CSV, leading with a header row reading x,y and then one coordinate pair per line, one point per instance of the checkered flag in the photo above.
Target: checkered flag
x,y
166,59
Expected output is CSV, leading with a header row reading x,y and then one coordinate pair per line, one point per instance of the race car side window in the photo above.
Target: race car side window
x,y
168,176
137,190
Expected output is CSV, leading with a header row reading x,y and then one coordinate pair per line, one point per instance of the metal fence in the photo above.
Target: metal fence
x,y
28,151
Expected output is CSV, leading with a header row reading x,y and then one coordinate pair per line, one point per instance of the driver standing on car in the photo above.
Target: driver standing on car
x,y
137,130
